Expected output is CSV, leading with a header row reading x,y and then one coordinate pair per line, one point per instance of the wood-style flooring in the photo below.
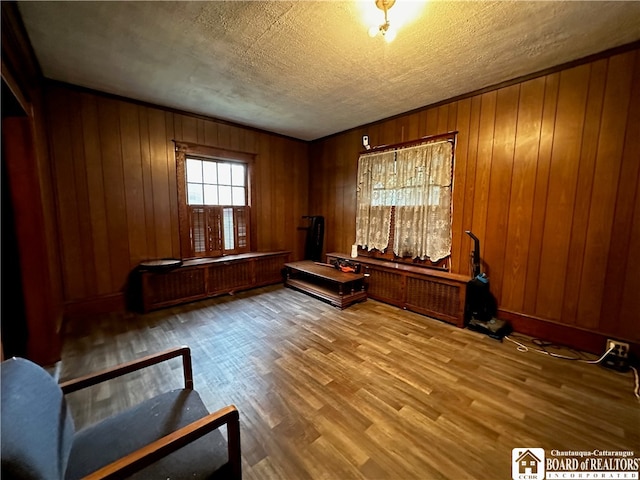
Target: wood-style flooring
x,y
371,391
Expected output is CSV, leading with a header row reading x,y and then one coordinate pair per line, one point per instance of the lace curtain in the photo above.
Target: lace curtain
x,y
417,181
375,191
423,207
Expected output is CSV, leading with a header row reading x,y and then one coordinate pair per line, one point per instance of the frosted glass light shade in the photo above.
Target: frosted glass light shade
x,y
390,34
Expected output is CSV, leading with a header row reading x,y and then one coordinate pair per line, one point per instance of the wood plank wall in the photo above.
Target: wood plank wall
x,y
116,197
546,175
25,153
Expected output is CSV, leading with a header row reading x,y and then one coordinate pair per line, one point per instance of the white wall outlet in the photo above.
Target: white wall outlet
x,y
618,357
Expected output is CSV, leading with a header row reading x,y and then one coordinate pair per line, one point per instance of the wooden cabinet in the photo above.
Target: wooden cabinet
x,y
207,277
230,276
438,294
161,289
386,286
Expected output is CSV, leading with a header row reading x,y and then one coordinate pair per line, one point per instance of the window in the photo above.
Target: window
x,y
214,201
404,201
216,182
217,199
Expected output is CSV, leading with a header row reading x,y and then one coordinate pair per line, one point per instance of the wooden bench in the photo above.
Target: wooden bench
x,y
324,281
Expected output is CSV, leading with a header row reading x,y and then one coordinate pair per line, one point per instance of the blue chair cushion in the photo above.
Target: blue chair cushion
x,y
123,433
37,429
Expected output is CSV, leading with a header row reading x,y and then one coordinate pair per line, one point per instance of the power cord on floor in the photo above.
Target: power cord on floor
x,y
523,348
544,344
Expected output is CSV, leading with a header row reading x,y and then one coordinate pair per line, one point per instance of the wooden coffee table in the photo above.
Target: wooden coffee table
x,y
324,281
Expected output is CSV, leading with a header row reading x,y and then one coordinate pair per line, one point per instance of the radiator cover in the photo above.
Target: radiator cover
x,y
440,295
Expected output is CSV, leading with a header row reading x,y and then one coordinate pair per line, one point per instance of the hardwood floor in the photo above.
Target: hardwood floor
x,y
371,391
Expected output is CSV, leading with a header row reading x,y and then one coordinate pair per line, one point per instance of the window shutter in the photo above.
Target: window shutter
x,y
204,231
242,223
198,230
214,231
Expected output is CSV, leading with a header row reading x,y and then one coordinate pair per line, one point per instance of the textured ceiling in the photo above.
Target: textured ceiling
x,y
309,69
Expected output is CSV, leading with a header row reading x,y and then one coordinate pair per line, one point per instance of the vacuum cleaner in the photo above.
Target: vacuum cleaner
x,y
481,306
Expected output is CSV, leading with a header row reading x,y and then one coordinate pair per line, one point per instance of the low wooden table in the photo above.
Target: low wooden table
x,y
324,281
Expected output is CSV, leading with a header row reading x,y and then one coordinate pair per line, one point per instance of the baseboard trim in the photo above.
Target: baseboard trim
x,y
569,335
111,303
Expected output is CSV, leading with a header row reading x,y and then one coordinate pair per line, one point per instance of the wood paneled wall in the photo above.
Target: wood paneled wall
x,y
546,175
116,196
25,156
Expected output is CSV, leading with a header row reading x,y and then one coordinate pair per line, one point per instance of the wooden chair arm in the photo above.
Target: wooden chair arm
x,y
125,368
145,456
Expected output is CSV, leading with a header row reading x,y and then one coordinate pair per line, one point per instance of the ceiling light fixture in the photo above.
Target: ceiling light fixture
x,y
388,32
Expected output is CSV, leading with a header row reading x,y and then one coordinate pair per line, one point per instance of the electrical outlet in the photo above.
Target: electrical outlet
x,y
620,349
618,357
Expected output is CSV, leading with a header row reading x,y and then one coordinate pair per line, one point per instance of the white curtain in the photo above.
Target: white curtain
x,y
423,207
417,181
375,197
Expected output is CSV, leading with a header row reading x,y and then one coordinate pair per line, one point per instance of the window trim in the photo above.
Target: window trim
x,y
184,149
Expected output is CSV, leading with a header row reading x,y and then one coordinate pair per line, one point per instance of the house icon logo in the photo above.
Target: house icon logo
x,y
527,464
